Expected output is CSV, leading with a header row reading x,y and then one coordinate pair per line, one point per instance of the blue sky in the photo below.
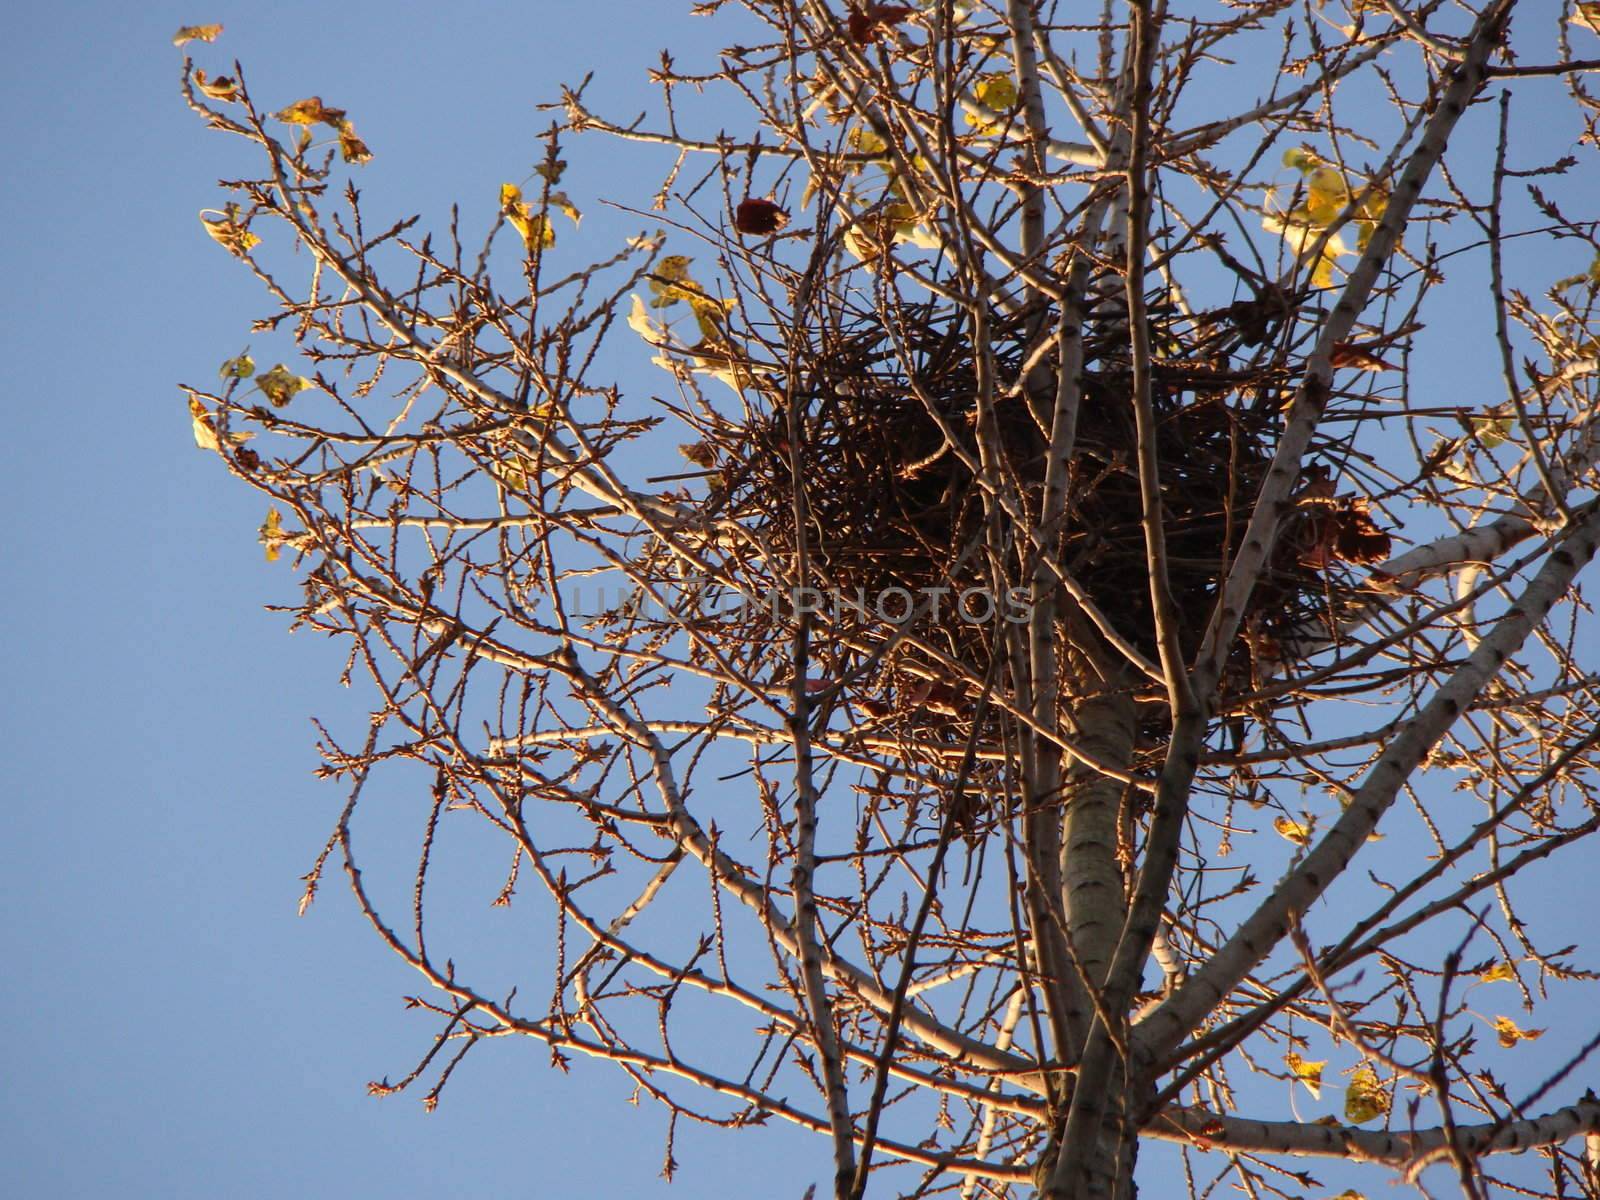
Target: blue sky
x,y
170,1027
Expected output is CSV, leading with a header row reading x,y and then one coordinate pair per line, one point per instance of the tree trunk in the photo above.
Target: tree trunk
x,y
1103,722
1107,1173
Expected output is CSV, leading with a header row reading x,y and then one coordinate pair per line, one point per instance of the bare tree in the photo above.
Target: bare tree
x,y
1067,516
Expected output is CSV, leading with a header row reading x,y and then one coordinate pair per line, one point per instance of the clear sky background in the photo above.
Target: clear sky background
x,y
169,1027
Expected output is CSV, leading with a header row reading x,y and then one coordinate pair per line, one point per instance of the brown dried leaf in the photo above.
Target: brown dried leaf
x,y
1510,1035
699,453
757,216
865,24
196,33
1350,356
221,88
310,111
351,148
226,229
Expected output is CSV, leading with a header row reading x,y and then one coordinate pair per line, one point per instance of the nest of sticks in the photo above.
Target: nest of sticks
x,y
889,451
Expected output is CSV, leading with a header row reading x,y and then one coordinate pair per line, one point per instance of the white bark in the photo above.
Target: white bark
x,y
1396,1149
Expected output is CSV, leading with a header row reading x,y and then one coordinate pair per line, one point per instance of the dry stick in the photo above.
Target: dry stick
x,y
857,88
506,1023
1205,135
1008,1025
588,470
1163,606
1310,399
1339,1024
1025,62
1565,68
819,1007
1419,34
1502,335
1440,1082
1053,872
601,483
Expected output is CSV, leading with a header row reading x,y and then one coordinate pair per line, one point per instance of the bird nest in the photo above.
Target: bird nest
x,y
890,458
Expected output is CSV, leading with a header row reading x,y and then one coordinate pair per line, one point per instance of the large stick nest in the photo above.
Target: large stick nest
x,y
891,505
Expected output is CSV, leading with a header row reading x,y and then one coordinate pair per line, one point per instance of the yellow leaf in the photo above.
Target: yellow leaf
x,y
1364,1098
701,454
271,534
671,365
1326,195
196,33
560,201
1587,14
858,240
719,361
1369,211
996,91
279,386
551,172
1297,228
1294,831
671,282
864,141
534,228
205,433
1350,1194
204,436
640,322
511,473
238,368
1308,1073
226,230
221,88
1458,469
310,111
711,315
1510,1035
905,221
351,148
1335,248
1492,431
1501,972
